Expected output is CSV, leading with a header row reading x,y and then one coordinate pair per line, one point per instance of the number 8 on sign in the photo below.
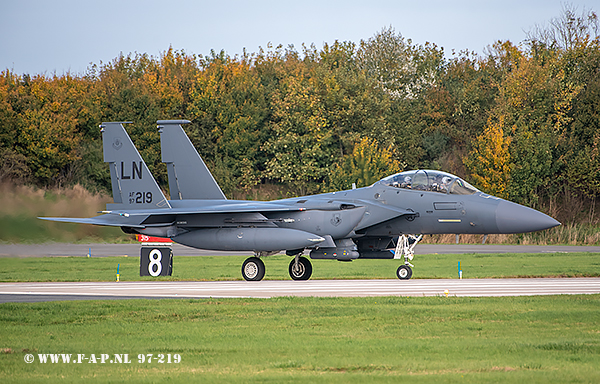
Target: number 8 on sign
x,y
155,258
156,261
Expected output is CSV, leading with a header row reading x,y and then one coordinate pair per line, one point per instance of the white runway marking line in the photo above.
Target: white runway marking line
x,y
436,287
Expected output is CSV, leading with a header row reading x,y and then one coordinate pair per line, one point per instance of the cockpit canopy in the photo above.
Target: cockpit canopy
x,y
432,181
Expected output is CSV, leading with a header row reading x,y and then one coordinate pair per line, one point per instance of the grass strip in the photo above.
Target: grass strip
x,y
314,340
209,268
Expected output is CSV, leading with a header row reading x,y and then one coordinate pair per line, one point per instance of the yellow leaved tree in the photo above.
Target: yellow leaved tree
x,y
368,163
489,159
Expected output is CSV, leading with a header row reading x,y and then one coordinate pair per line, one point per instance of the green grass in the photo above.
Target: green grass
x,y
339,340
228,267
544,339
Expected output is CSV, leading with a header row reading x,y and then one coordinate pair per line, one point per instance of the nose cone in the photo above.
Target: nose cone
x,y
515,218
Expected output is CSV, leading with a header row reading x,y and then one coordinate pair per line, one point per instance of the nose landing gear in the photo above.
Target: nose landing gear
x,y
404,272
405,247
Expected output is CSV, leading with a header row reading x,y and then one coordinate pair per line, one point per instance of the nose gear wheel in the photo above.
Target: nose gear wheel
x,y
404,272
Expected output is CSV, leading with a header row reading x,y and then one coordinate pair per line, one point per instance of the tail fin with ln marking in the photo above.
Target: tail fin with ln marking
x,y
189,178
133,185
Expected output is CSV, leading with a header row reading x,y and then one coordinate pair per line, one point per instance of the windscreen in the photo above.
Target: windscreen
x,y
431,181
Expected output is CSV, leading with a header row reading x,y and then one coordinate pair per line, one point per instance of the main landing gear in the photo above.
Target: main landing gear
x,y
253,268
405,247
300,268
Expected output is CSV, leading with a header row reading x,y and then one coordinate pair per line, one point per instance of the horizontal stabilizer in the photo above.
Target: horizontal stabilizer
x,y
111,220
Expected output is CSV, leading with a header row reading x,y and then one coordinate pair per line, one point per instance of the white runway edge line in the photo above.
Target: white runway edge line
x,y
317,288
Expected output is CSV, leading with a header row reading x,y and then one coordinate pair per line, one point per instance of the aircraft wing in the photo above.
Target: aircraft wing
x,y
143,218
225,208
155,217
237,208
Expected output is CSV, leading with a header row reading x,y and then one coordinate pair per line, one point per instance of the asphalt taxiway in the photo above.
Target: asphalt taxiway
x,y
11,292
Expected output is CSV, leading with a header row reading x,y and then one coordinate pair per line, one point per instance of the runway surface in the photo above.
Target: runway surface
x,y
10,292
131,250
32,292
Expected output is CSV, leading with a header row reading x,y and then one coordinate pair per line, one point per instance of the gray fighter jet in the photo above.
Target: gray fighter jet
x,y
375,222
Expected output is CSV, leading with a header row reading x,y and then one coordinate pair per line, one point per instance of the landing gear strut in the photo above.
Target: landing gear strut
x,y
300,268
405,247
253,269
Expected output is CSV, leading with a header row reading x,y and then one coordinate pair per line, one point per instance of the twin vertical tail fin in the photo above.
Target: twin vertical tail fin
x,y
133,185
189,178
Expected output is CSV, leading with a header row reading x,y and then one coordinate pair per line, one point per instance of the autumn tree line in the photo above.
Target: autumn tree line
x,y
520,121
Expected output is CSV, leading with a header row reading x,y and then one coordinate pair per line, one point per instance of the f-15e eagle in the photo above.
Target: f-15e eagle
x,y
373,222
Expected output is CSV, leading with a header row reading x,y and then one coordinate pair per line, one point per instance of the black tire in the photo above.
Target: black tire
x,y
404,272
253,269
304,270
